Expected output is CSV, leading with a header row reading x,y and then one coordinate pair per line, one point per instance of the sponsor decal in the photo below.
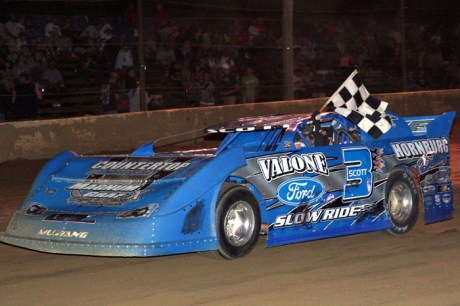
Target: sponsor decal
x,y
135,169
428,201
419,125
446,198
104,198
431,160
140,165
428,189
300,191
377,160
119,180
62,233
75,218
359,179
322,215
276,167
417,148
104,187
50,191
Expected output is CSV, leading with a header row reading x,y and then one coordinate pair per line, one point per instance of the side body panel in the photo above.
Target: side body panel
x,y
321,192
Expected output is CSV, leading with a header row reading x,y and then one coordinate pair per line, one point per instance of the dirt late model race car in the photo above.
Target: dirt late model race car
x,y
304,177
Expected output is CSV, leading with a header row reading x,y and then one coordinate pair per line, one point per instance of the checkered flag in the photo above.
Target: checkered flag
x,y
353,101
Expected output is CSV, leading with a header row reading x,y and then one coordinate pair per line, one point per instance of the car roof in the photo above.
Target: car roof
x,y
257,123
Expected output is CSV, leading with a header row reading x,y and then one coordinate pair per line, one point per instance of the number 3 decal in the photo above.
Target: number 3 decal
x,y
359,180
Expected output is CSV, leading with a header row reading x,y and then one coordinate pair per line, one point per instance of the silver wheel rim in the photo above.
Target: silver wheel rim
x,y
239,223
400,203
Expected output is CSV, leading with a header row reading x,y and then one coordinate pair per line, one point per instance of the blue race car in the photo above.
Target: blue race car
x,y
214,200
303,177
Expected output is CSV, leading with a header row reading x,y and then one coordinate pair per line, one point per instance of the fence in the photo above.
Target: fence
x,y
91,42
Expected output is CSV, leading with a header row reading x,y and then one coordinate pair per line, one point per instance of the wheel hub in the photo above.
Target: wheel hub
x,y
239,223
400,203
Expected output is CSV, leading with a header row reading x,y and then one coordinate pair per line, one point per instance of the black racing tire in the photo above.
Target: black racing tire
x,y
348,134
401,202
238,223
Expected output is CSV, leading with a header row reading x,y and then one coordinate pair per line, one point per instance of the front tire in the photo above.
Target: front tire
x,y
401,202
237,223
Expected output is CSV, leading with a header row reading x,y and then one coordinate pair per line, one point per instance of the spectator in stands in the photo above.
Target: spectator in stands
x,y
207,89
109,45
226,58
161,22
127,84
38,55
300,85
411,81
197,75
253,31
250,86
345,64
173,32
31,30
165,57
186,75
110,95
229,86
7,67
16,45
53,36
22,65
68,29
6,88
308,50
13,27
53,83
135,101
421,80
262,30
130,25
130,81
25,96
151,46
3,30
175,76
105,33
90,68
134,91
124,59
88,37
4,51
36,73
69,36
212,60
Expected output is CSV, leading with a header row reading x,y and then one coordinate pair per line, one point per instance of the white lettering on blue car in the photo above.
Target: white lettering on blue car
x,y
322,215
417,148
276,167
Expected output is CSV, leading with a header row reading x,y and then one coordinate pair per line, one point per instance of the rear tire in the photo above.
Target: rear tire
x,y
237,223
401,202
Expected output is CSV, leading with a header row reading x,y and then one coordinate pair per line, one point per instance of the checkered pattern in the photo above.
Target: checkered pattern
x,y
353,101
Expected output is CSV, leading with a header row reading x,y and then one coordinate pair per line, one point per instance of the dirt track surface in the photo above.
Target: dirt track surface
x,y
419,268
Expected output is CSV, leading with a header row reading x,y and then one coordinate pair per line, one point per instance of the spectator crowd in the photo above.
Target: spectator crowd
x,y
207,62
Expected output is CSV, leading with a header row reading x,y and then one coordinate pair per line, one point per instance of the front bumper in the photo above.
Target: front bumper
x,y
116,250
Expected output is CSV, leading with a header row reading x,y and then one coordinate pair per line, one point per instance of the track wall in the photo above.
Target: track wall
x,y
124,132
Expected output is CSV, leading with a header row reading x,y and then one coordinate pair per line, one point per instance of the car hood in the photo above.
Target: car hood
x,y
105,184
